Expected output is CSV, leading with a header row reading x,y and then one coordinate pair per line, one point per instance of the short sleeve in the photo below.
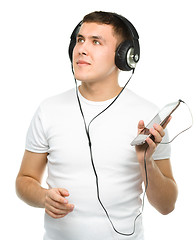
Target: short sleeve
x,y
163,150
36,140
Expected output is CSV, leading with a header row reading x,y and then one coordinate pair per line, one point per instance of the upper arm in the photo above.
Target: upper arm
x,y
33,165
165,167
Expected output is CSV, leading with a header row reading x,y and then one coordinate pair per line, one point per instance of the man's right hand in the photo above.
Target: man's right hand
x,y
56,205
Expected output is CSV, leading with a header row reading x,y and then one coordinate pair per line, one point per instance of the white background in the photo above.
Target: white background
x,y
34,65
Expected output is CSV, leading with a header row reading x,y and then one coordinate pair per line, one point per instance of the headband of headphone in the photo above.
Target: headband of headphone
x,y
127,53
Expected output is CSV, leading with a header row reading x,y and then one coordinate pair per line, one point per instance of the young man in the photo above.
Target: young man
x,y
57,138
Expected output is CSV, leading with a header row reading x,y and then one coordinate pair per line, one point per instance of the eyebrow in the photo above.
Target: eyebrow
x,y
92,37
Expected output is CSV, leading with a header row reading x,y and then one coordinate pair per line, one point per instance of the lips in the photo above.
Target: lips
x,y
82,62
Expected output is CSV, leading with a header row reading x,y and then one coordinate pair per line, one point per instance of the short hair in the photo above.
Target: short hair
x,y
119,27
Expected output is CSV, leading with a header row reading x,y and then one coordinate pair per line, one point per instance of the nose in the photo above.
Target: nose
x,y
83,48
82,53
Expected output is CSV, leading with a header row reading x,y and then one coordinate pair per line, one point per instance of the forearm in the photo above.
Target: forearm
x,y
161,191
30,191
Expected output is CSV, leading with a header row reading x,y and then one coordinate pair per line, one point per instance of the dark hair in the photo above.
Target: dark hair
x,y
119,27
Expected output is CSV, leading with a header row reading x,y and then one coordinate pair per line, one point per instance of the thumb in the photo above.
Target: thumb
x,y
63,192
141,126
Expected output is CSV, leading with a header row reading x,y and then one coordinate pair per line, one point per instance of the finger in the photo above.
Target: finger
x,y
141,126
55,195
53,215
159,129
55,211
57,205
156,134
60,206
151,144
60,211
63,192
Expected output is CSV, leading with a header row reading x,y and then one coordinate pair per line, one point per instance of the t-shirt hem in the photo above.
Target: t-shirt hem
x,y
35,150
161,158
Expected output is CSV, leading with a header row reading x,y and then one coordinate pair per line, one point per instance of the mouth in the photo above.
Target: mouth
x,y
82,63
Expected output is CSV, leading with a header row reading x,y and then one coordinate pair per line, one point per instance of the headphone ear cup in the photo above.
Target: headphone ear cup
x,y
71,47
124,53
73,40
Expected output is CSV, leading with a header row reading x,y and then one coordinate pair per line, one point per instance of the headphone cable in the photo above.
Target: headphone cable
x,y
87,130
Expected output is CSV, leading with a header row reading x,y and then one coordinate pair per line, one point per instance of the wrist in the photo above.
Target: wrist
x,y
149,162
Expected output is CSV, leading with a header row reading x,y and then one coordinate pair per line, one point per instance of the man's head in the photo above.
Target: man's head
x,y
110,54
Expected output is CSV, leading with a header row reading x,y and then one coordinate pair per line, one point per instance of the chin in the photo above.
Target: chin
x,y
83,77
80,78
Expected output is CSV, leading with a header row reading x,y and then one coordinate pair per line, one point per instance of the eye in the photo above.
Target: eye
x,y
96,42
80,40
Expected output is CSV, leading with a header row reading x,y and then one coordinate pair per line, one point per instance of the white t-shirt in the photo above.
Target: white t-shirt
x,y
58,128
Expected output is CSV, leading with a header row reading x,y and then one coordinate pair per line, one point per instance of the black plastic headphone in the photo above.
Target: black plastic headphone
x,y
127,53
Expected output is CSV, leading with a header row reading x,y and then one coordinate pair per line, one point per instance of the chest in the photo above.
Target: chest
x,y
110,135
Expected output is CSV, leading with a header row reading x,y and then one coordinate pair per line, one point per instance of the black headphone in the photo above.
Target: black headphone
x,y
127,53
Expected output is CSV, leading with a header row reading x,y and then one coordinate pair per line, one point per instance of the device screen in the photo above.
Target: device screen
x,y
160,118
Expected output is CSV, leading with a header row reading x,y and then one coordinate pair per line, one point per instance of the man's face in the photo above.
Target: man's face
x,y
94,53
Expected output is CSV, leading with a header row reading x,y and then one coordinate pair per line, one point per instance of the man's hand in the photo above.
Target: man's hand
x,y
162,190
150,146
56,205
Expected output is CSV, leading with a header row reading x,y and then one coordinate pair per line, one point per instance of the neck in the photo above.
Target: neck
x,y
98,91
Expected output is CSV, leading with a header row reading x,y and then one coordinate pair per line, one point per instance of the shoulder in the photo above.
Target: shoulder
x,y
136,100
56,108
62,99
138,107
